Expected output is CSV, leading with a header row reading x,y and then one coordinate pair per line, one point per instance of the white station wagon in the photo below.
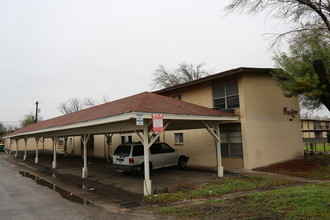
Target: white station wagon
x,y
130,157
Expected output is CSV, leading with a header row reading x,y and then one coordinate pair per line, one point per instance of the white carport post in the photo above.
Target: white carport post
x,y
10,145
214,130
16,148
85,138
25,143
54,139
147,182
36,160
109,142
147,188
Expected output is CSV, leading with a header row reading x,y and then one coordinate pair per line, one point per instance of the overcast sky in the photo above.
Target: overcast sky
x,y
53,50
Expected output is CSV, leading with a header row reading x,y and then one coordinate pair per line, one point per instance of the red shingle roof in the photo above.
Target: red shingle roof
x,y
143,102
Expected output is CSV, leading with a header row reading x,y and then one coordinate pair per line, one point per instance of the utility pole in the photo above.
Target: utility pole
x,y
36,119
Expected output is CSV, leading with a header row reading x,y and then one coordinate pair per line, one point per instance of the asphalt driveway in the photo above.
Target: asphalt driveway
x,y
105,184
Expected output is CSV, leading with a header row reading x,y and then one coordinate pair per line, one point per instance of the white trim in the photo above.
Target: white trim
x,y
127,116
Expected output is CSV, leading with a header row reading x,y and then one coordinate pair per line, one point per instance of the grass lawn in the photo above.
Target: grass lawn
x,y
313,167
310,201
297,202
225,185
319,147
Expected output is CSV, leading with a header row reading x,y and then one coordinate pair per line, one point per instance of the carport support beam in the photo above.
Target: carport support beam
x,y
85,138
36,160
10,143
219,160
147,188
147,182
109,142
54,139
16,148
25,143
214,130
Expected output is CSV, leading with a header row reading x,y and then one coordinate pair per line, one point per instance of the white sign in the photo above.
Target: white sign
x,y
139,119
157,123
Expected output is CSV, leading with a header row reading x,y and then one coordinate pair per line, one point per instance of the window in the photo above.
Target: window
x,y
316,125
178,138
156,149
138,150
166,148
125,139
123,150
178,97
231,144
161,149
318,134
225,96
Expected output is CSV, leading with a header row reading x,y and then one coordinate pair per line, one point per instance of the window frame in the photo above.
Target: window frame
x,y
228,144
127,139
181,138
225,97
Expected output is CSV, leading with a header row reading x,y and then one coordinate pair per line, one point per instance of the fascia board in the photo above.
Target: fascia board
x,y
148,115
127,116
111,119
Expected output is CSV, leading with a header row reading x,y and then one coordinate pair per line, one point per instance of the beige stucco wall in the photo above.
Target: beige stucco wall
x,y
31,144
199,144
100,146
268,134
197,94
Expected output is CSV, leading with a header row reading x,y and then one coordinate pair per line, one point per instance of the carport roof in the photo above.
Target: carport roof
x,y
141,103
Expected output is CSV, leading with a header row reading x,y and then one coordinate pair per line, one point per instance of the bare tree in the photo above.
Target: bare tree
x,y
73,105
311,14
89,102
189,72
105,99
163,77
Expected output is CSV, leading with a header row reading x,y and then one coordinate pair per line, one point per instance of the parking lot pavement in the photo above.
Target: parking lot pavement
x,y
126,190
23,198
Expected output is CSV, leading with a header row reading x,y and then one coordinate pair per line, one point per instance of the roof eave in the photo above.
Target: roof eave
x,y
215,76
124,117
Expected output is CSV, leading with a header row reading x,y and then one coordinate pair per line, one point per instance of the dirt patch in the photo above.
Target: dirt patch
x,y
300,165
314,167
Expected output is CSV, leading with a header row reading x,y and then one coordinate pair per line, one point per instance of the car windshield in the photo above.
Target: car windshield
x,y
123,150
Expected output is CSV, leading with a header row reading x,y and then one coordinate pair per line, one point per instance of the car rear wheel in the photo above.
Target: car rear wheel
x,y
182,163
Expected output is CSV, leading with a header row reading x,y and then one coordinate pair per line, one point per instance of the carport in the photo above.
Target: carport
x,y
121,117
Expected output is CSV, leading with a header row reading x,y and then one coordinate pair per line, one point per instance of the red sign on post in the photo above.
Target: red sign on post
x,y
157,123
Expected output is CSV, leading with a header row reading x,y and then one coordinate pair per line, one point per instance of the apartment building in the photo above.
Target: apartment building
x,y
268,129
